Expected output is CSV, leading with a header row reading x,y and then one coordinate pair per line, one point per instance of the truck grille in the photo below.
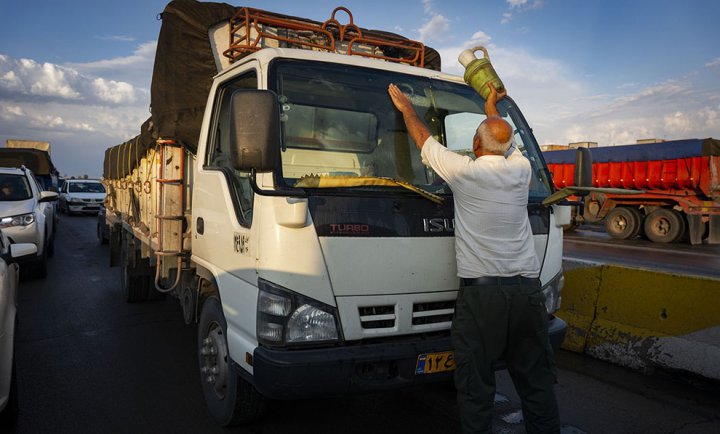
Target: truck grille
x,y
435,312
377,317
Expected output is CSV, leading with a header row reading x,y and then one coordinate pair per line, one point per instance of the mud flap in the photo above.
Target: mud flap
x,y
115,245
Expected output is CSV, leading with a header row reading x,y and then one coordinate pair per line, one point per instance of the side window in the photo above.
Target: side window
x,y
218,153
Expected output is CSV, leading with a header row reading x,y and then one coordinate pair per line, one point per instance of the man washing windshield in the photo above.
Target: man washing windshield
x,y
500,310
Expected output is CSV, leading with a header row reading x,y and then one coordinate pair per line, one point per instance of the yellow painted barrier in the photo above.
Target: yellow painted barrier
x,y
641,319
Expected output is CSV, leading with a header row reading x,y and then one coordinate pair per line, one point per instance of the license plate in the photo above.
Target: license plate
x,y
432,363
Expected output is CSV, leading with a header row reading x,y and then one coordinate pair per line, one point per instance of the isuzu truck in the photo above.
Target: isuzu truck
x,y
276,193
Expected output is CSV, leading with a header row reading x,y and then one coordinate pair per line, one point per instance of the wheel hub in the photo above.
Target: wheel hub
x,y
214,360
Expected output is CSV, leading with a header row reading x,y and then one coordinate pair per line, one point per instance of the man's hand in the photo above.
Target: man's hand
x,y
399,99
492,99
416,128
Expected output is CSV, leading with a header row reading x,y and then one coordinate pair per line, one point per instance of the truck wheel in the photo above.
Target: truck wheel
x,y
623,223
230,399
134,279
664,226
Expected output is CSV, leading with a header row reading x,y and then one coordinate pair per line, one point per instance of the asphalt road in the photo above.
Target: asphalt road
x,y
90,363
591,243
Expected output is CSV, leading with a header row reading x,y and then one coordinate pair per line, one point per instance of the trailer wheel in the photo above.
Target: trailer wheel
x,y
664,226
623,223
230,399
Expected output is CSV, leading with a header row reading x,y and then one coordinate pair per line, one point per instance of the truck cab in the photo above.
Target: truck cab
x,y
335,267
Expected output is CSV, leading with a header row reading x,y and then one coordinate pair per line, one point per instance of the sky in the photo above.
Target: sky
x,y
77,73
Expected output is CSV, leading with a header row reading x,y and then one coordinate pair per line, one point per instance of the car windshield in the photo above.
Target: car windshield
x,y
338,121
86,187
14,187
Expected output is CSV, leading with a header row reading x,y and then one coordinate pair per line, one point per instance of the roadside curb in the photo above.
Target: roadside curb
x,y
643,319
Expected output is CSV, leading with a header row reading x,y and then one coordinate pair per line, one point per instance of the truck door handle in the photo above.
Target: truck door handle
x,y
200,225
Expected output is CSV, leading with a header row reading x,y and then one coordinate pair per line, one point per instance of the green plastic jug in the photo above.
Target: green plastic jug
x,y
479,72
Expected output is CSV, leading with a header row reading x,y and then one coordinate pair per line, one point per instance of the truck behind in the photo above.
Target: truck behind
x,y
276,193
679,182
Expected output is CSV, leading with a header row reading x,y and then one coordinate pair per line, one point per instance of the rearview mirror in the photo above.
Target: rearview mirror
x,y
254,130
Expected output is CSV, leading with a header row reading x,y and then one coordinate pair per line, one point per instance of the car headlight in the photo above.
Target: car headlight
x,y
18,220
553,292
287,318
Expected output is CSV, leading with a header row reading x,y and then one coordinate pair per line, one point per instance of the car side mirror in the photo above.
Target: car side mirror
x,y
254,130
48,196
21,252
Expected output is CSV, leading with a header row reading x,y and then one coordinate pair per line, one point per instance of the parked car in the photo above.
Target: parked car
x,y
10,255
81,196
27,213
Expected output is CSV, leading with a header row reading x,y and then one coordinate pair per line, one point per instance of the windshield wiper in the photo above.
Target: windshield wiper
x,y
322,181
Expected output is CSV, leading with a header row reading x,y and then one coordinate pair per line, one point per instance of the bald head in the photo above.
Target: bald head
x,y
492,137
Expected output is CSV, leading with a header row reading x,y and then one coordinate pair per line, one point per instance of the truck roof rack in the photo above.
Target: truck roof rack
x,y
254,29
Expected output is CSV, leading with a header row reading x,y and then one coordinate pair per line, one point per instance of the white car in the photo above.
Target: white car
x,y
81,196
27,214
10,254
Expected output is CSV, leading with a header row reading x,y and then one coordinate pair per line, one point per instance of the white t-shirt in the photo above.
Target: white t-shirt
x,y
493,236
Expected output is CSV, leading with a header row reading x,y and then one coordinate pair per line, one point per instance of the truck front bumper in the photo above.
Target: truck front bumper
x,y
293,374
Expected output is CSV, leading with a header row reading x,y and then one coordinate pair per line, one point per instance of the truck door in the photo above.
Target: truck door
x,y
223,240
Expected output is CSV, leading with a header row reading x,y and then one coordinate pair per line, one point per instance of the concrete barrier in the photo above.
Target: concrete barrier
x,y
643,319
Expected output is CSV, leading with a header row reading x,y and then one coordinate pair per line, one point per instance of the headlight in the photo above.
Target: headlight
x,y
18,220
285,317
553,292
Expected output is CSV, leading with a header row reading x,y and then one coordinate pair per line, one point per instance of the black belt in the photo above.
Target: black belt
x,y
498,280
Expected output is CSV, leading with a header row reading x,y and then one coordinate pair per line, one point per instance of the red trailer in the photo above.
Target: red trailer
x,y
680,180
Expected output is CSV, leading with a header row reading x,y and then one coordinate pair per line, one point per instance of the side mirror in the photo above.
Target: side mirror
x,y
21,252
254,130
48,196
583,170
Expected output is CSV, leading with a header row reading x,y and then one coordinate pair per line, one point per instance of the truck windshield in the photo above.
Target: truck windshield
x,y
338,121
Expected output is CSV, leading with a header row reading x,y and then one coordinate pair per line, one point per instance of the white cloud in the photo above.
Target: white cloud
x,y
25,78
479,38
427,7
119,38
713,63
562,106
435,29
12,111
516,3
114,91
520,6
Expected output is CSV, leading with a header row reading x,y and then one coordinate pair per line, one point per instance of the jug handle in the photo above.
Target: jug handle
x,y
481,48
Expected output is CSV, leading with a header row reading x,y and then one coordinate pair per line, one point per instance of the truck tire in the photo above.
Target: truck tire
x,y
134,274
623,223
230,399
664,226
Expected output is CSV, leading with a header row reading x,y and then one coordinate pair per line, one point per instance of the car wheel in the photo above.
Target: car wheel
x,y
42,262
51,244
230,399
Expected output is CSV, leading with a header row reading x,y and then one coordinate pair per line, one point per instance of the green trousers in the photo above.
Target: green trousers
x,y
504,322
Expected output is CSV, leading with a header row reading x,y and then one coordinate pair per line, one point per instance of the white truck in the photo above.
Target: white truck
x,y
276,193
